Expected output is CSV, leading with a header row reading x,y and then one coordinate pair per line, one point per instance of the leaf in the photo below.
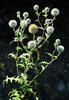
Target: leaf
x,y
42,67
44,62
19,48
49,54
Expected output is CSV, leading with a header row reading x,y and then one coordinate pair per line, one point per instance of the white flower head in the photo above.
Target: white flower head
x,y
23,24
48,21
50,30
31,44
33,28
60,49
25,14
36,7
55,12
12,23
39,39
57,41
28,20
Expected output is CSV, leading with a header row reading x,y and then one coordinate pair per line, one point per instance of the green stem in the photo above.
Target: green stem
x,y
17,60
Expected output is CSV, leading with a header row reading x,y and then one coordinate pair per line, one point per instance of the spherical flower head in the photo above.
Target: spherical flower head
x,y
28,20
36,7
60,49
48,21
23,24
39,39
33,28
50,30
57,41
55,12
31,44
25,14
12,23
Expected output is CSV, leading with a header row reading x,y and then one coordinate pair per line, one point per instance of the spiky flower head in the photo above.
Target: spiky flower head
x,y
36,7
23,24
50,30
31,44
60,49
55,12
33,28
12,23
25,14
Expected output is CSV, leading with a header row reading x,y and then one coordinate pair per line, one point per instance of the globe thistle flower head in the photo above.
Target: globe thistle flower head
x,y
50,30
28,20
60,49
36,7
39,39
55,12
23,24
12,23
25,15
33,28
31,44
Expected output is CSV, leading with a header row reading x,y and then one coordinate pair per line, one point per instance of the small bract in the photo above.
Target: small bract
x,y
60,49
31,44
12,23
46,10
33,28
55,12
36,7
50,30
23,24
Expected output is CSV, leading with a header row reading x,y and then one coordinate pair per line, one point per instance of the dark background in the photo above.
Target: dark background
x,y
51,76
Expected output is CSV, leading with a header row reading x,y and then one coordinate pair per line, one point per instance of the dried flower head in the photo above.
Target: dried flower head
x,y
33,28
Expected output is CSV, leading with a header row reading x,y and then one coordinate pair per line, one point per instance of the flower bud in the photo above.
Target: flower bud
x,y
47,9
12,23
57,41
50,30
48,21
36,7
55,12
18,14
31,44
33,28
23,24
28,20
60,49
25,14
39,39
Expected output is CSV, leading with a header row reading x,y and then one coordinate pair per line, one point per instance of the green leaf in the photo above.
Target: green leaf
x,y
19,48
13,55
42,67
44,62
